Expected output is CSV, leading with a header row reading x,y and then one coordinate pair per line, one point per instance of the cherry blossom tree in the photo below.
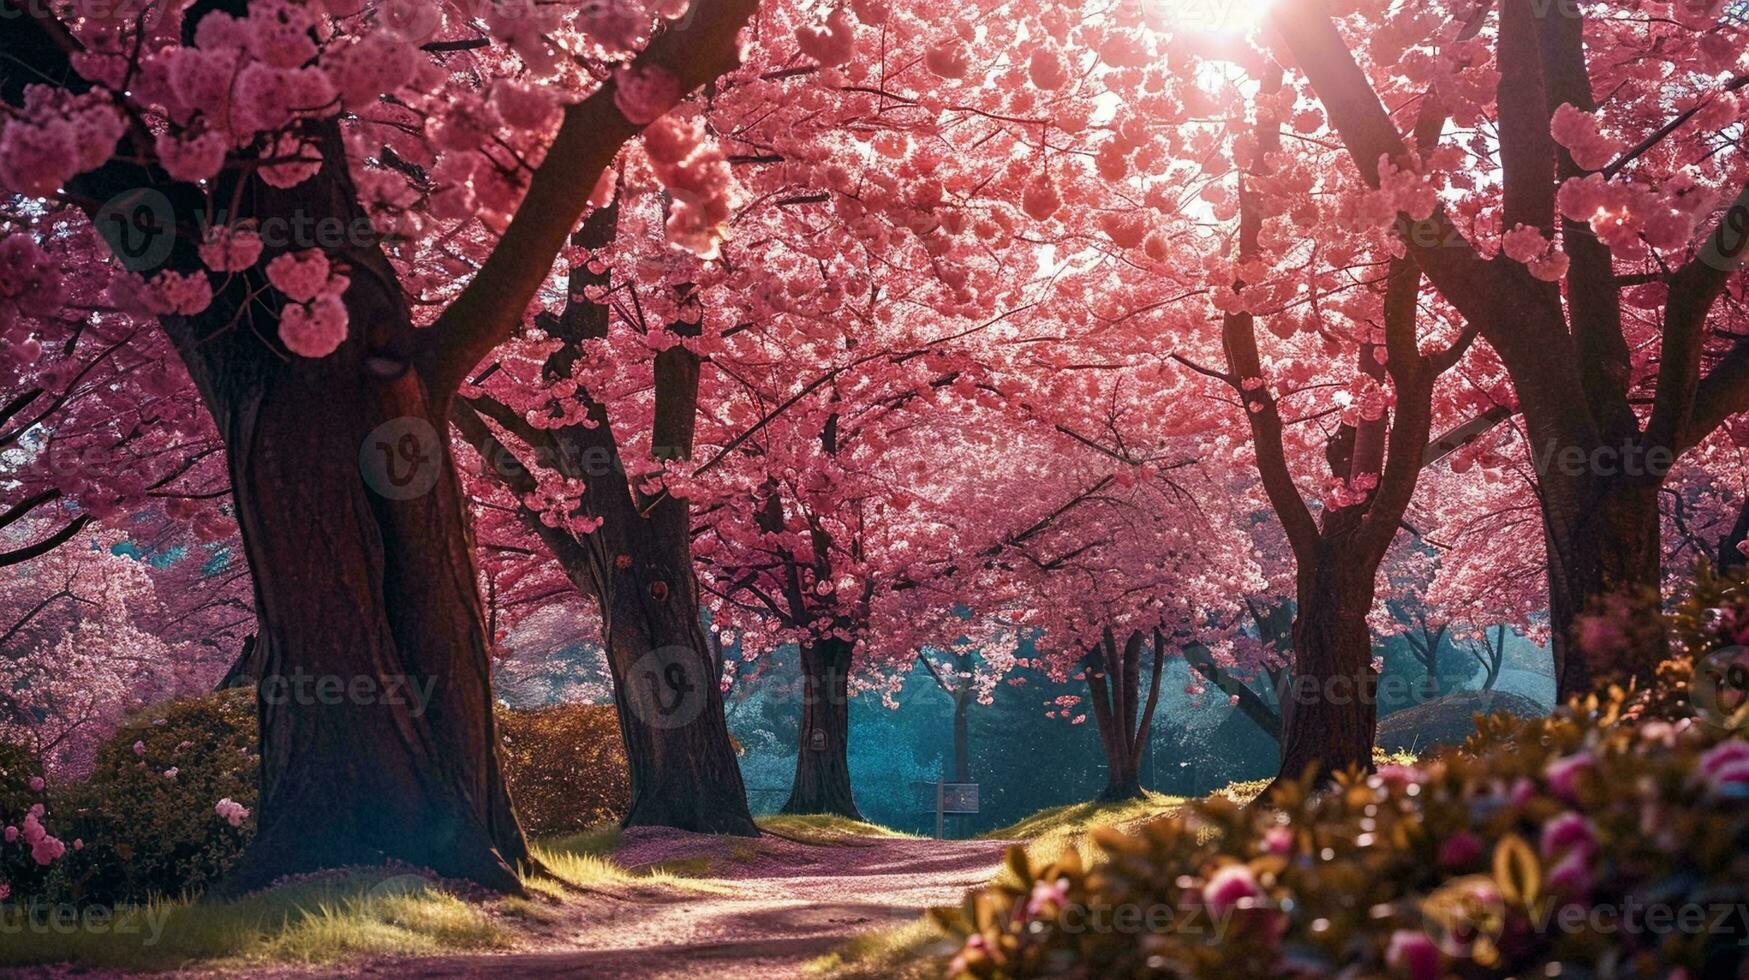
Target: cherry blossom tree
x,y
277,169
1589,238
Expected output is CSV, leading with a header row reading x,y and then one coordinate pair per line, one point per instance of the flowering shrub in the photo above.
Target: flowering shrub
x,y
566,767
147,815
1610,839
168,806
23,805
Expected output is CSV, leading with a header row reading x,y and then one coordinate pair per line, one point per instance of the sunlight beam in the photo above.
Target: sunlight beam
x,y
1224,18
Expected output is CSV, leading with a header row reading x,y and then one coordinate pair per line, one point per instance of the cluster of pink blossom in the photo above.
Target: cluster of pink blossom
x,y
1545,261
58,135
231,811
313,324
695,172
44,847
30,288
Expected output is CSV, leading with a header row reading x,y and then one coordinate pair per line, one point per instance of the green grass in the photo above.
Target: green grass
x,y
914,951
334,917
824,828
584,861
315,920
1049,834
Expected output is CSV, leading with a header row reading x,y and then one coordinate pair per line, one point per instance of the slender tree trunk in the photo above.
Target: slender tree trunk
x,y
1114,681
1731,554
822,782
962,738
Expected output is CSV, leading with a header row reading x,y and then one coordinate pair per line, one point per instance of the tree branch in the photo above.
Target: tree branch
x,y
487,312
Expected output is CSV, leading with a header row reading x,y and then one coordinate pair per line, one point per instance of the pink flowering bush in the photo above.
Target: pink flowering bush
x,y
27,848
147,814
169,804
1609,839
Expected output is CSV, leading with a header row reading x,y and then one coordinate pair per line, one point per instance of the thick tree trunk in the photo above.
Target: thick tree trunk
x,y
638,568
377,737
667,689
822,783
1606,542
1330,717
374,703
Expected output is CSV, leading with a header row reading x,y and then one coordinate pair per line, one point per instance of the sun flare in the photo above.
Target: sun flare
x,y
1222,17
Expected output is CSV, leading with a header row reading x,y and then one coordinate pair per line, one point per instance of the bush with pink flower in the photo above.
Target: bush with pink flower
x,y
169,804
147,811
1611,839
28,849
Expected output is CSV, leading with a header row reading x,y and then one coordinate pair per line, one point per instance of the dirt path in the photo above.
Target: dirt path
x,y
789,903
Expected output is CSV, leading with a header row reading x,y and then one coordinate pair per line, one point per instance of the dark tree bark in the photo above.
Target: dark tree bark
x,y
1606,543
1114,682
1330,716
637,567
375,715
1569,364
665,676
1427,642
1491,655
357,589
246,669
963,695
822,783
962,737
1731,553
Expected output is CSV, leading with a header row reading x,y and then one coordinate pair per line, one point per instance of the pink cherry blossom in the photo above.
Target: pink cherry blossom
x,y
1412,952
183,295
1228,887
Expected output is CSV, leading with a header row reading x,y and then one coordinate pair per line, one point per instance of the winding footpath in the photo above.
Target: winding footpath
x,y
786,904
